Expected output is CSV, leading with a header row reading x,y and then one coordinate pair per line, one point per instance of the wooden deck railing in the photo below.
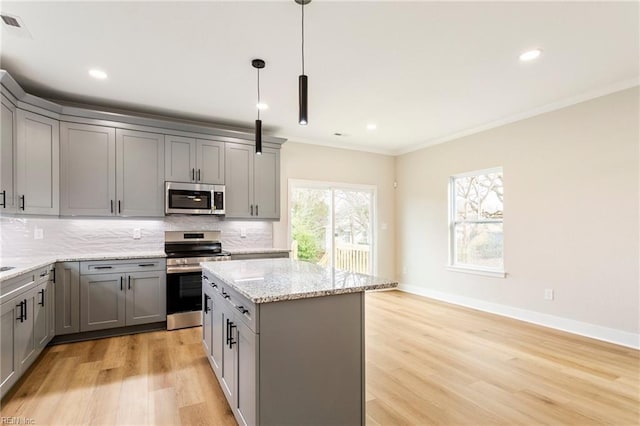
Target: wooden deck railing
x,y
349,257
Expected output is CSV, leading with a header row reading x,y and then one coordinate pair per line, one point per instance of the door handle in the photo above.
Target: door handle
x,y
121,288
193,174
251,209
23,202
111,203
41,303
256,210
20,318
119,206
242,309
54,275
146,264
4,199
227,333
129,281
198,175
231,341
102,267
206,304
25,309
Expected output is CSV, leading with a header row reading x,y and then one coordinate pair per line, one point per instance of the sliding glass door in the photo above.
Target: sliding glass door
x,y
332,224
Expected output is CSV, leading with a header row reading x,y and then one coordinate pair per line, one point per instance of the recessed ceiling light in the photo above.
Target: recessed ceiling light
x,y
262,105
97,74
530,55
372,126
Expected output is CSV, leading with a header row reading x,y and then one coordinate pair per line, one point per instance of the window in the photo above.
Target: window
x,y
332,224
475,217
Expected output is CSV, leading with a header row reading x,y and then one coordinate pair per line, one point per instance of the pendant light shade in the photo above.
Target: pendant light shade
x,y
258,137
303,98
258,64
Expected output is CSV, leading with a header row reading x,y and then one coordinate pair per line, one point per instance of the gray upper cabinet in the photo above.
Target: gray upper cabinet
x,y
194,160
37,164
253,182
87,170
7,157
139,173
210,162
179,159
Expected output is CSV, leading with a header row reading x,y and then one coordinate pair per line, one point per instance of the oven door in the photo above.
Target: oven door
x,y
184,292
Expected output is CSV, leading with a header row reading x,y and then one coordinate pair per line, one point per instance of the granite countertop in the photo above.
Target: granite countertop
x,y
27,264
273,280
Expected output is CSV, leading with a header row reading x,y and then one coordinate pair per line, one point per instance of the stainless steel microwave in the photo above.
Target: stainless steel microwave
x,y
193,198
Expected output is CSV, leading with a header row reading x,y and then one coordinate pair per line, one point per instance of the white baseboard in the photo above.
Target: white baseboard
x,y
619,337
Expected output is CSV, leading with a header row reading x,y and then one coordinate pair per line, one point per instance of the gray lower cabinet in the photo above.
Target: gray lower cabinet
x,y
124,293
67,297
7,157
24,324
252,182
37,164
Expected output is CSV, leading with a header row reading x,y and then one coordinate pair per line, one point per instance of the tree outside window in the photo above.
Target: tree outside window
x,y
476,220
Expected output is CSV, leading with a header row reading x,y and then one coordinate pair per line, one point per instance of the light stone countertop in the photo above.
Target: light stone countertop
x,y
273,280
27,264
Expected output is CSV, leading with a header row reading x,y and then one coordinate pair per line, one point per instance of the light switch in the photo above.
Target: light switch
x,y
243,232
136,233
38,234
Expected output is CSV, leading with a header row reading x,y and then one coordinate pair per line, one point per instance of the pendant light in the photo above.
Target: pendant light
x,y
302,79
258,64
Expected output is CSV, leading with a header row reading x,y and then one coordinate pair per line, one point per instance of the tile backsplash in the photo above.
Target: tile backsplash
x,y
20,236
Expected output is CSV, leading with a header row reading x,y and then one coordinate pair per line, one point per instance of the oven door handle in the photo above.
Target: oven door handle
x,y
182,269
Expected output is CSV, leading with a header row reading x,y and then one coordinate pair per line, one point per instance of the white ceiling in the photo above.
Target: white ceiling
x,y
424,72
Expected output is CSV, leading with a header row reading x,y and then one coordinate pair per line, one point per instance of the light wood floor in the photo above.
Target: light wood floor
x,y
427,363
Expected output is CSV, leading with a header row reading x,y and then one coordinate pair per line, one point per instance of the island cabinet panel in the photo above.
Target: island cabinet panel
x,y
297,361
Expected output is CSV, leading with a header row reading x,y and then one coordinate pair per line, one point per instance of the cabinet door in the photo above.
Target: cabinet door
x,y
179,159
37,178
87,170
207,314
217,334
246,386
7,157
238,180
210,162
50,303
26,344
40,326
9,367
67,296
228,370
102,301
146,297
139,173
266,180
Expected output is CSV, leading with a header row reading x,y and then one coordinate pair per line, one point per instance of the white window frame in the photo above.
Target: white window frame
x,y
292,183
470,269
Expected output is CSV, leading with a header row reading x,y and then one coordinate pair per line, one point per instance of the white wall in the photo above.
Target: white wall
x,y
571,182
313,162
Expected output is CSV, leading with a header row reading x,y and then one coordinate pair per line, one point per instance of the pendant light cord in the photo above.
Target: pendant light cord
x,y
303,38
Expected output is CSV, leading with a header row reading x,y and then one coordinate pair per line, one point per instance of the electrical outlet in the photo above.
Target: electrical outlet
x,y
548,294
243,232
404,270
38,234
137,233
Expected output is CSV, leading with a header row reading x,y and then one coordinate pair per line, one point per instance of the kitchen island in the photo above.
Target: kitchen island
x,y
285,339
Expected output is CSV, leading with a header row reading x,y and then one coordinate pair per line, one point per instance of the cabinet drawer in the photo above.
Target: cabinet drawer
x,y
243,309
43,275
118,266
14,286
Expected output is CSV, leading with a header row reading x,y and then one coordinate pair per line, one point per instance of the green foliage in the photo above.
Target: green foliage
x,y
307,246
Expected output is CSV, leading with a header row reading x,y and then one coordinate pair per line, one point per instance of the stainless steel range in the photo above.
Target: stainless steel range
x,y
185,250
